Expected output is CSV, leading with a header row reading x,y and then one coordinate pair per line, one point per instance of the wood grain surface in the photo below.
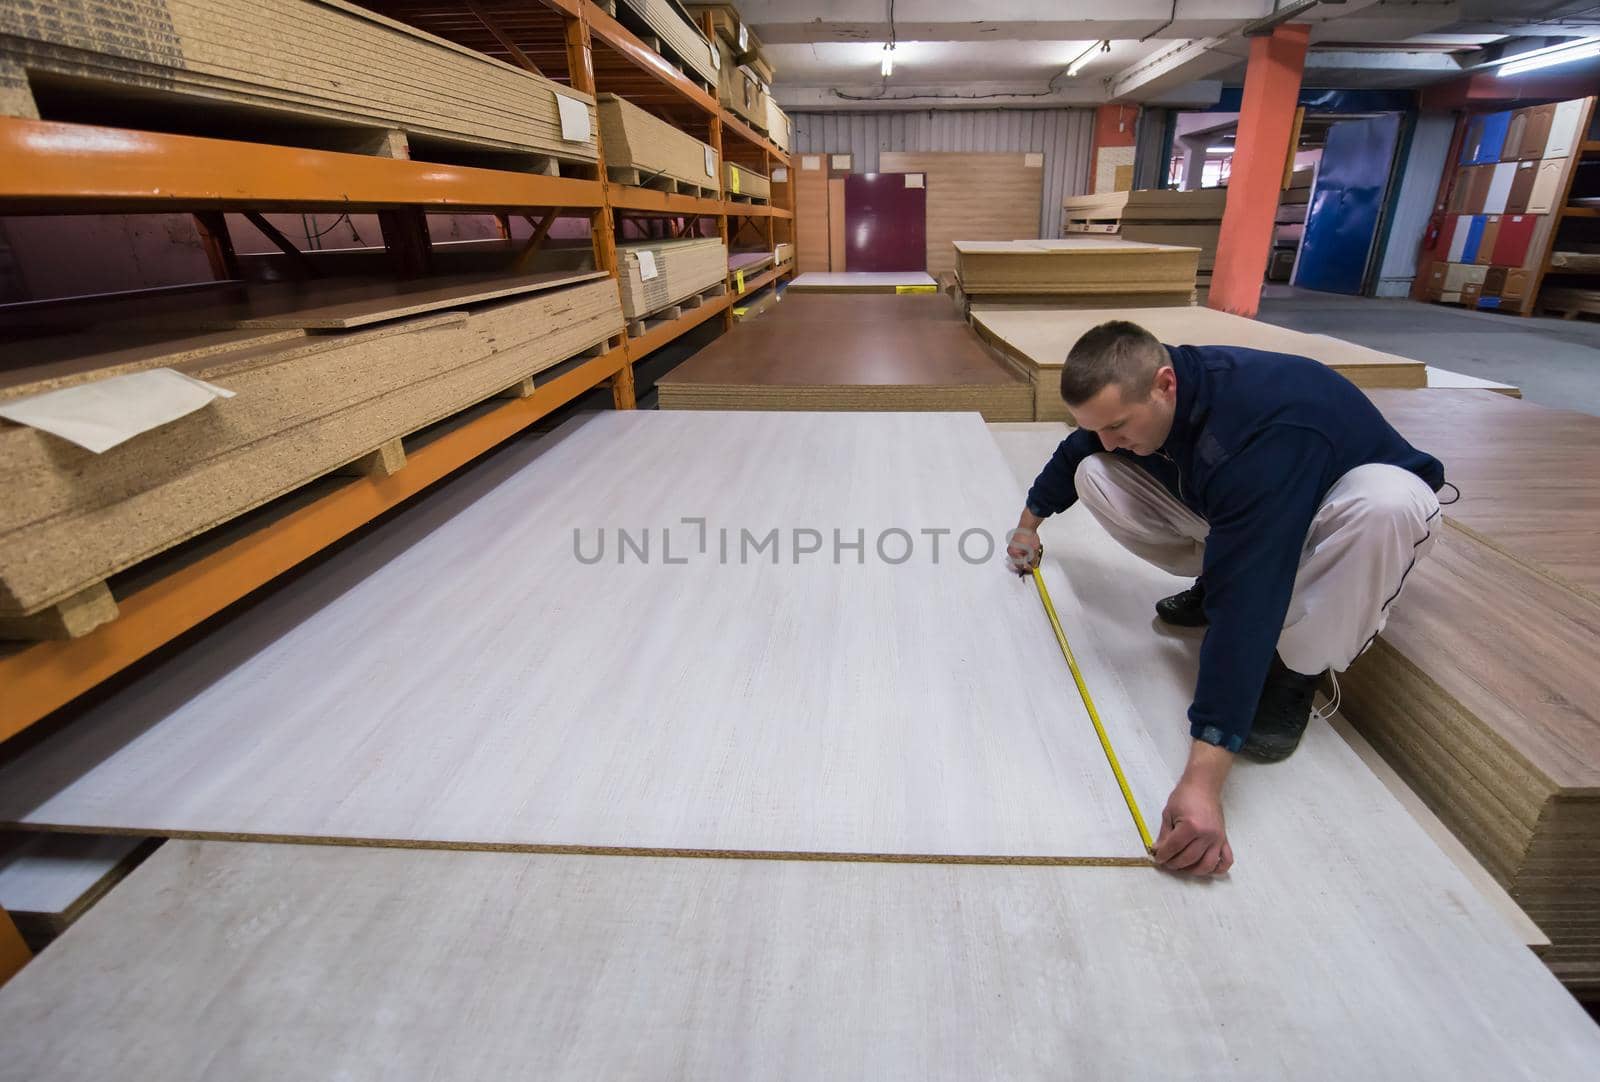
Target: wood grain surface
x,y
458,677
976,196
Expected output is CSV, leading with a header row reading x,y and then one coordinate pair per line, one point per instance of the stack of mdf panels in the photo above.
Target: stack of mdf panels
x,y
327,62
1098,213
782,252
1077,272
1037,342
670,271
641,148
996,196
1482,690
780,129
682,37
303,406
869,362
737,90
744,183
1192,219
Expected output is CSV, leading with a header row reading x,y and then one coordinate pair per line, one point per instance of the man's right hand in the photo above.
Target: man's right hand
x,y
1024,549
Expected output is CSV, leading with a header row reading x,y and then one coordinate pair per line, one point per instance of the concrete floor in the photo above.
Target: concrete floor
x,y
1556,362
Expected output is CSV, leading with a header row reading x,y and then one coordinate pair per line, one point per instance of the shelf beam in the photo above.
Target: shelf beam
x,y
647,199
627,45
652,340
54,168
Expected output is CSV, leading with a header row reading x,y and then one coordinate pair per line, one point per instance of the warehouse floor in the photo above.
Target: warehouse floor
x,y
1553,360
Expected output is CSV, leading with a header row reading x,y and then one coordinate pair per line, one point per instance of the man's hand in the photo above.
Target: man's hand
x,y
1023,547
1194,838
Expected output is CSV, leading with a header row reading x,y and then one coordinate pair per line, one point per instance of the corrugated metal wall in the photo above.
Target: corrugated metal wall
x,y
1419,184
1063,135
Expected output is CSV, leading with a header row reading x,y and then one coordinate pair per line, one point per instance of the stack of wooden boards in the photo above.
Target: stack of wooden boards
x,y
746,82
850,352
1502,205
393,360
644,150
1077,272
680,38
656,274
863,282
1191,219
321,64
987,195
975,903
744,183
1289,224
1037,340
819,200
1482,690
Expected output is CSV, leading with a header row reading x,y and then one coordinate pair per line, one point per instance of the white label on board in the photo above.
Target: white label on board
x,y
841,161
811,161
647,265
101,414
744,37
711,162
716,57
1034,160
780,175
914,180
574,119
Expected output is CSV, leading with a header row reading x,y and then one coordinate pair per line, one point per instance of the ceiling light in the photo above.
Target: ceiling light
x,y
1083,58
888,61
1581,49
1219,150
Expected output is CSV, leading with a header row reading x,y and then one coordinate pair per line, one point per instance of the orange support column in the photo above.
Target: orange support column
x,y
1266,119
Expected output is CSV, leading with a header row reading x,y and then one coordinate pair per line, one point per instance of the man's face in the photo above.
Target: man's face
x,y
1140,426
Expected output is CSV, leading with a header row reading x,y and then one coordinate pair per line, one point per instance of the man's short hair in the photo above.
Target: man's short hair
x,y
1116,352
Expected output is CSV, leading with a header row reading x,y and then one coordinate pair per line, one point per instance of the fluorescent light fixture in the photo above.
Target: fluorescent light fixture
x,y
1219,150
888,61
1581,49
1083,59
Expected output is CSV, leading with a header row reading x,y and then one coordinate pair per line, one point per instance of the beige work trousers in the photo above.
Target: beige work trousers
x,y
1373,526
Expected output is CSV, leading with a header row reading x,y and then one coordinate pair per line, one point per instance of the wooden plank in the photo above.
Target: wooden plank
x,y
861,282
836,226
811,230
611,737
737,969
973,197
1074,266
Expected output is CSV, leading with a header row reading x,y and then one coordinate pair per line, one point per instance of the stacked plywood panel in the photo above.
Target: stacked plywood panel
x,y
657,273
989,196
1482,690
681,37
641,148
1036,341
810,179
1097,213
1079,272
782,252
328,62
780,129
302,408
742,182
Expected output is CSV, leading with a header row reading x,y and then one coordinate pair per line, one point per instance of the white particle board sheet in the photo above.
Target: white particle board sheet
x,y
861,281
458,676
49,876
219,960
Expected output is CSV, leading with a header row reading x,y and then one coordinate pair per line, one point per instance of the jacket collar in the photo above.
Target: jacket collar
x,y
1194,399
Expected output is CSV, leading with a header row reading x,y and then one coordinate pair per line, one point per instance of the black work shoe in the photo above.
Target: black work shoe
x,y
1282,714
1187,609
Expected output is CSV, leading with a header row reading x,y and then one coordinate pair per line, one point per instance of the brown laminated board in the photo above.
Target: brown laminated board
x,y
770,363
822,310
324,63
836,226
302,408
982,195
811,234
897,282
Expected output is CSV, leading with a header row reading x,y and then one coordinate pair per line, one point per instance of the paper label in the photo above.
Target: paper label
x,y
744,37
716,57
780,175
811,161
916,289
99,415
1033,161
738,281
574,120
733,179
647,265
841,161
740,311
711,162
913,180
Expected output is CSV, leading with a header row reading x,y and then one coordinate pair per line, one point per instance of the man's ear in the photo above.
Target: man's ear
x,y
1166,380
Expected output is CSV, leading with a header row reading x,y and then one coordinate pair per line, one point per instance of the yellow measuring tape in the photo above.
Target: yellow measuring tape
x,y
1094,715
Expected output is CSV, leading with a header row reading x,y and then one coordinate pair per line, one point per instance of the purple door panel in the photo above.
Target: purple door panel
x,y
885,222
